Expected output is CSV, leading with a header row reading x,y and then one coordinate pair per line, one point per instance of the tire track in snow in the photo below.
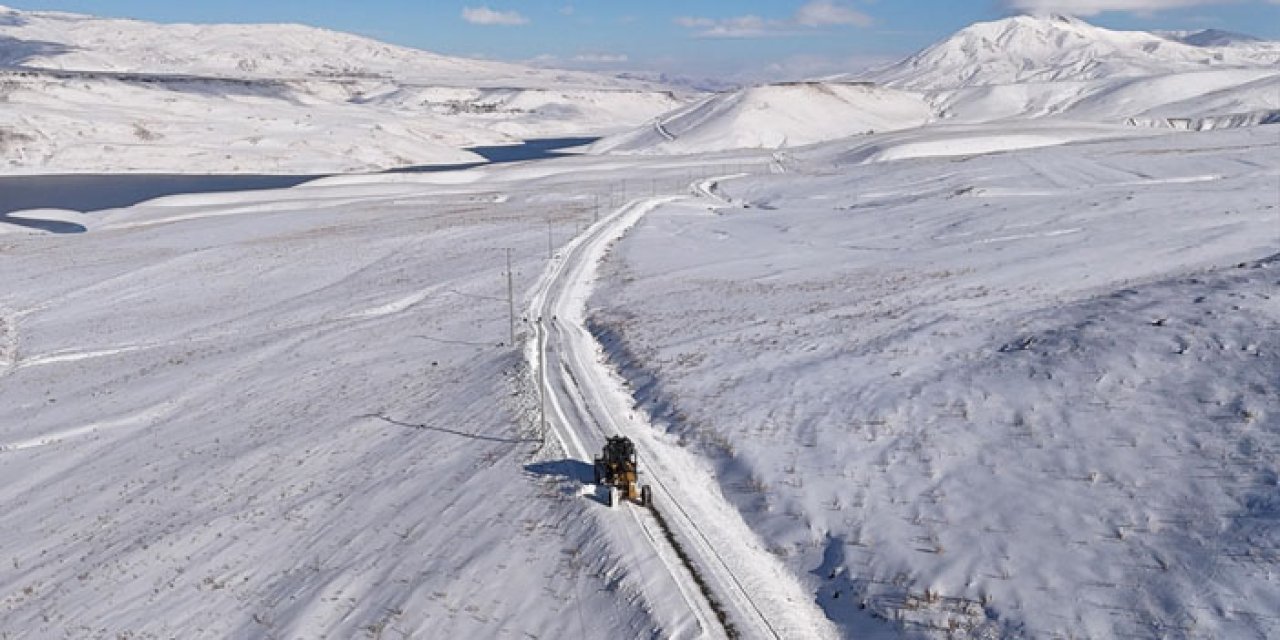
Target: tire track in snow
x,y
150,415
72,356
158,413
155,414
8,347
661,128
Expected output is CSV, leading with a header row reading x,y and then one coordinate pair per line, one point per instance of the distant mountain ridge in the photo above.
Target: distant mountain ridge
x,y
1210,37
87,94
1016,69
1057,48
67,41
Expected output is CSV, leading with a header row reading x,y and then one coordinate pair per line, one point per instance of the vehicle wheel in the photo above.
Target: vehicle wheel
x,y
646,496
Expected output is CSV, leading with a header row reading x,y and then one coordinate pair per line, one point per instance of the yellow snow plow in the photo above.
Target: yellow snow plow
x,y
616,470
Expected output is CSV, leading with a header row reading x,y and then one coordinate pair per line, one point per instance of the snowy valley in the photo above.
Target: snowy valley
x,y
982,344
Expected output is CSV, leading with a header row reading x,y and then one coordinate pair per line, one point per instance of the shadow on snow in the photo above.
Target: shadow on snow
x,y
52,226
577,474
453,432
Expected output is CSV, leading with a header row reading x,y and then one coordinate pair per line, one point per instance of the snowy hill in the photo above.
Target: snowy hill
x,y
289,414
1058,48
1205,99
49,40
85,94
1024,67
1037,67
1024,394
774,117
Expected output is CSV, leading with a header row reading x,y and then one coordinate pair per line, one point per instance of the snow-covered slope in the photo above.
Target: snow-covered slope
x,y
1027,394
1025,67
106,125
298,414
84,94
1208,96
774,117
67,122
1058,48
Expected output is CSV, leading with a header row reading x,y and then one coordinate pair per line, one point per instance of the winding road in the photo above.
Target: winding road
x,y
746,591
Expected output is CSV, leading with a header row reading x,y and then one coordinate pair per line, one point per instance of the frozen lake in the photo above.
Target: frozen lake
x,y
97,192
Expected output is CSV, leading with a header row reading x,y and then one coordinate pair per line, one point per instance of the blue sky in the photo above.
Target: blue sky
x,y
739,39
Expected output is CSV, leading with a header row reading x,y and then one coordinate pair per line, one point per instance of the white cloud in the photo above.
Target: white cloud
x,y
487,16
742,27
590,60
825,12
818,13
1094,7
601,58
567,10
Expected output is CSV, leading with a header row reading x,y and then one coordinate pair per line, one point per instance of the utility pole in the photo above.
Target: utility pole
x,y
511,298
542,378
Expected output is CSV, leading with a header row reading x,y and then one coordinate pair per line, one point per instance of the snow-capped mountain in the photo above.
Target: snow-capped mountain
x,y
1019,68
86,94
65,41
1058,48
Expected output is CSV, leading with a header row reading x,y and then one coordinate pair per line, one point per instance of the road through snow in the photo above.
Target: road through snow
x,y
587,401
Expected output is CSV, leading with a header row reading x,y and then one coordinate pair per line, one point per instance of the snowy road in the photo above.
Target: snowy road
x,y
586,401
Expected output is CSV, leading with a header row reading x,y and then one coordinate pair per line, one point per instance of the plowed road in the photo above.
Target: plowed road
x,y
586,402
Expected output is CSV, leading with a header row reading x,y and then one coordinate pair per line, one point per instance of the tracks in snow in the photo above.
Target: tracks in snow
x,y
661,128
587,401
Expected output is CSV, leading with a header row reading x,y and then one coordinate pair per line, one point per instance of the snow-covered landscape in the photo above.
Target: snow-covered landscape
x,y
983,343
273,99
